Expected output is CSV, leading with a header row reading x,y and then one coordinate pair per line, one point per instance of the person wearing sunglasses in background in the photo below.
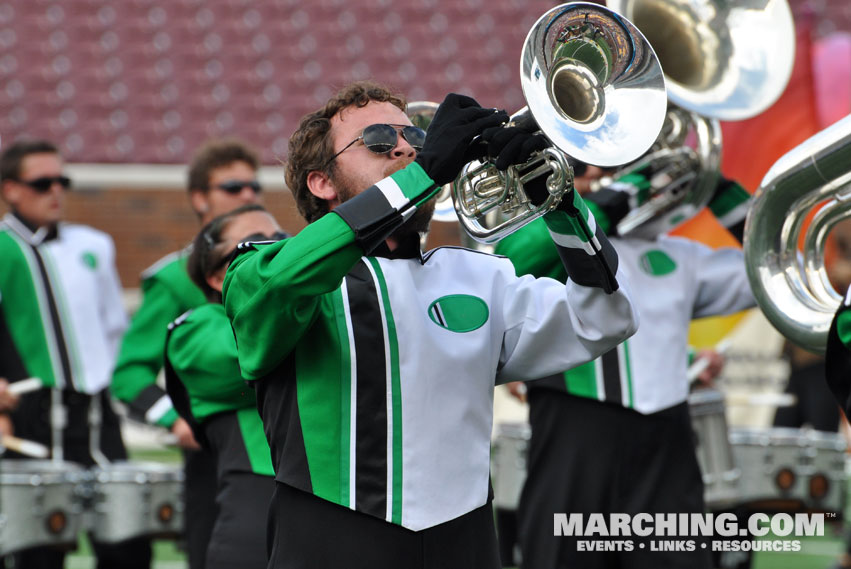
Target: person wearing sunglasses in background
x,y
205,384
375,363
63,316
222,176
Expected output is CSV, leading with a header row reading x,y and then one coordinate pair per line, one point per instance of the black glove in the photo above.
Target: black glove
x,y
512,145
458,120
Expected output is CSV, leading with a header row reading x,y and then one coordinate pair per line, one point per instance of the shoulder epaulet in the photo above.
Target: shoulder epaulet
x,y
165,261
180,319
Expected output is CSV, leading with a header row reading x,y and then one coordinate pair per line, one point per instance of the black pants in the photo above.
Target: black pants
x,y
130,554
31,422
239,535
589,457
200,504
306,532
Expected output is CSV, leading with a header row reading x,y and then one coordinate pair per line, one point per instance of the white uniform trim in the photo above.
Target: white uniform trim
x,y
159,409
353,395
393,193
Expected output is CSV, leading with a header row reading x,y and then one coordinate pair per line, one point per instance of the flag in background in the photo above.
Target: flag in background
x,y
749,149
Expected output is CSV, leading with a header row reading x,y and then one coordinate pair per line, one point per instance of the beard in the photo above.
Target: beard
x,y
347,187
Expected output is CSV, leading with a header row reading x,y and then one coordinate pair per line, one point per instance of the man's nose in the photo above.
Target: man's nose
x,y
403,148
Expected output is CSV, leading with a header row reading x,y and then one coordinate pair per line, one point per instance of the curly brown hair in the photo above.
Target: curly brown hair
x,y
311,147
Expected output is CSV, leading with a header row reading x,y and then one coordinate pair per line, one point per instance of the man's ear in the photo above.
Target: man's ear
x,y
217,279
11,192
198,201
321,186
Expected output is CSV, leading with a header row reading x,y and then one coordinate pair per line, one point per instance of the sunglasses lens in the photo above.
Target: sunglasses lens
x,y
235,186
379,138
43,185
415,137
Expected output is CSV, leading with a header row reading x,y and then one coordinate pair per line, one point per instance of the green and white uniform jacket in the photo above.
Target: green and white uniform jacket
x,y
674,280
62,303
168,293
203,379
375,375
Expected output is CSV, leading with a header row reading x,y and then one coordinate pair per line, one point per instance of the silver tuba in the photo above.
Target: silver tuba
x,y
594,87
791,284
715,69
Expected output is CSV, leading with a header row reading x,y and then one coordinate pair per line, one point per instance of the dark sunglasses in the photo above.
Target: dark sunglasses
x,y
382,138
235,186
42,185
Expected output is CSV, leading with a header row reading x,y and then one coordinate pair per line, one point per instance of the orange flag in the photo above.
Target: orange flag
x,y
749,149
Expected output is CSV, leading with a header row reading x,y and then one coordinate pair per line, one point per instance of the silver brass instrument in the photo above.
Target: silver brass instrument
x,y
714,70
685,161
722,59
791,285
595,88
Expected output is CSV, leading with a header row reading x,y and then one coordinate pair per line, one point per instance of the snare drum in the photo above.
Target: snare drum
x,y
508,463
134,499
712,445
39,504
791,468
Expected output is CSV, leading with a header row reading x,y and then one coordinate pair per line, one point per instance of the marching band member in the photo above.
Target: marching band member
x,y
63,318
375,363
204,382
625,413
222,176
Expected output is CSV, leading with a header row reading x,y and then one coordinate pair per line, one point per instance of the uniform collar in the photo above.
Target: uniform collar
x,y
407,249
28,231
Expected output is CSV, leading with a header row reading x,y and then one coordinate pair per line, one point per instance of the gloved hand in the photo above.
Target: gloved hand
x,y
512,145
458,120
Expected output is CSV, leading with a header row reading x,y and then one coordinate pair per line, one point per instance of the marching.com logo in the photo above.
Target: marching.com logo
x,y
687,532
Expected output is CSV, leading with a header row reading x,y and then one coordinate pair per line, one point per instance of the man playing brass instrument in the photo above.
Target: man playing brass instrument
x,y
375,363
626,413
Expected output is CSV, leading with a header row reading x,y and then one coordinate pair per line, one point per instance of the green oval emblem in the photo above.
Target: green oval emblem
x,y
90,260
657,263
459,312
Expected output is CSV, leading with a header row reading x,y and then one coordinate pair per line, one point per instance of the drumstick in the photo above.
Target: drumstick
x,y
25,386
29,448
767,398
700,364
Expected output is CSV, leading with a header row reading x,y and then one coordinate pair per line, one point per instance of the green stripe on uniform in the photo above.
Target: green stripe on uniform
x,y
251,428
728,199
413,181
29,322
630,401
396,395
582,380
323,390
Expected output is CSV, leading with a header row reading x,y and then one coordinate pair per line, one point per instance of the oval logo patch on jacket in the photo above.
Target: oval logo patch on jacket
x,y
459,312
657,263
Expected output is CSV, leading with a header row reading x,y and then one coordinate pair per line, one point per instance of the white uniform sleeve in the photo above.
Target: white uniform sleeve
x,y
721,281
551,327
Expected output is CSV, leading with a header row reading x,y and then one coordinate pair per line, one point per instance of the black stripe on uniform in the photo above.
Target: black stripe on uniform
x,y
612,376
145,400
371,404
57,323
277,403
